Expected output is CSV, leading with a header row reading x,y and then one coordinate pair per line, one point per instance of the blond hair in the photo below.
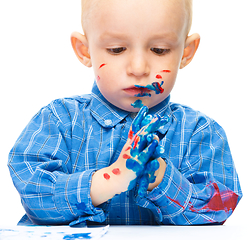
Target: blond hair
x,y
87,6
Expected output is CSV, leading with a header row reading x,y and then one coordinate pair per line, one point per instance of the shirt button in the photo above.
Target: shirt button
x,y
108,122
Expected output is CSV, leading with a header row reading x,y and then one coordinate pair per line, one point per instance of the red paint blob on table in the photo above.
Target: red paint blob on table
x,y
116,171
166,71
106,176
102,65
159,76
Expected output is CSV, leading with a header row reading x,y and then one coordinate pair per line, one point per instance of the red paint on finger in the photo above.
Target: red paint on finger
x,y
166,71
116,171
102,65
136,140
106,176
159,76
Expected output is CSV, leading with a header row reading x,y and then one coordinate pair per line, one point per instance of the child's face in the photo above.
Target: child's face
x,y
136,43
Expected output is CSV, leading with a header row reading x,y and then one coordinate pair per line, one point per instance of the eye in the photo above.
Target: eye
x,y
160,51
116,51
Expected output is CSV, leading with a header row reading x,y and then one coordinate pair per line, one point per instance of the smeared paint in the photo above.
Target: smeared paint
x,y
158,88
126,156
176,202
220,201
106,176
77,236
130,134
141,151
155,86
166,71
137,104
116,171
102,65
98,78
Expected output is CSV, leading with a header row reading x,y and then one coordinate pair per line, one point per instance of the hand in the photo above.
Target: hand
x,y
140,149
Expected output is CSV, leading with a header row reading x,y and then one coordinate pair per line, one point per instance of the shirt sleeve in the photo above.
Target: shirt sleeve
x,y
205,188
41,169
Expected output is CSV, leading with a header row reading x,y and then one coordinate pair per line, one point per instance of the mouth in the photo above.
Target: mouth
x,y
138,91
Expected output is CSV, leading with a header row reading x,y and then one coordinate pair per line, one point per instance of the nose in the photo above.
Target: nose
x,y
138,65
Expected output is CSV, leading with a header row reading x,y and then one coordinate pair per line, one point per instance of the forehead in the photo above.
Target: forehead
x,y
119,13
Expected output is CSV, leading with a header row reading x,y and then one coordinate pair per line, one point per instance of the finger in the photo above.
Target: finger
x,y
136,124
158,152
143,185
150,169
152,137
146,120
154,125
145,155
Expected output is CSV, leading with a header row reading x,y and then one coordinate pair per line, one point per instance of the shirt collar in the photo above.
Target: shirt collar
x,y
108,115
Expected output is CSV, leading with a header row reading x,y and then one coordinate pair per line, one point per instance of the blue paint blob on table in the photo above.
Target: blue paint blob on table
x,y
77,236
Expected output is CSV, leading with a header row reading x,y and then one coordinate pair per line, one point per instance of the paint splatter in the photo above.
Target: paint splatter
x,y
106,176
116,171
102,65
137,104
220,201
77,236
166,71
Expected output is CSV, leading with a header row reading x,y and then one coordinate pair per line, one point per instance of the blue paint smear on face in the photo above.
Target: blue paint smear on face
x,y
155,86
137,104
77,236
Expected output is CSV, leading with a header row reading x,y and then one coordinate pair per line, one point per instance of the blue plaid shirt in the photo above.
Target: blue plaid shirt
x,y
53,160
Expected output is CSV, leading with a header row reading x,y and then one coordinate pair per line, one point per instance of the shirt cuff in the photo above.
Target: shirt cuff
x,y
72,198
170,197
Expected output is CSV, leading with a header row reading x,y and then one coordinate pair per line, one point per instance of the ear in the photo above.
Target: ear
x,y
80,47
191,46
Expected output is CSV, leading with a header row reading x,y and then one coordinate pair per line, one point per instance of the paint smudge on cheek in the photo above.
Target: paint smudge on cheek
x,y
116,171
102,65
166,71
159,76
98,78
106,176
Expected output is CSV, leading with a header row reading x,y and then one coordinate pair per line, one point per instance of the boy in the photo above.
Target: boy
x,y
89,160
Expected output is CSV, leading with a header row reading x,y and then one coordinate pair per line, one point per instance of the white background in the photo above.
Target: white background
x,y
37,65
